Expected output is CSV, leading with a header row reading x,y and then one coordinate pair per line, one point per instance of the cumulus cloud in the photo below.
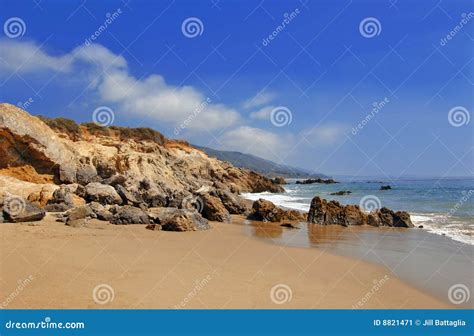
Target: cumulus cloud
x,y
263,113
147,97
259,99
258,142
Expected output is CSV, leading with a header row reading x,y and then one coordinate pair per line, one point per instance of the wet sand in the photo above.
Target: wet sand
x,y
226,267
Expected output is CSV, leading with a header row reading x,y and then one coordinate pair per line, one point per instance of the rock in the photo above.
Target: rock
x,y
324,213
173,219
264,210
279,180
385,187
289,226
127,196
232,203
153,227
17,209
213,209
128,214
176,199
41,197
102,193
86,174
317,180
341,193
155,198
101,211
115,180
26,140
420,226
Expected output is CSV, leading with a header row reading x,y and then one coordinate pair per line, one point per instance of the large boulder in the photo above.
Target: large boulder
x,y
128,214
232,203
86,174
128,197
213,209
174,219
102,193
26,140
17,209
387,217
324,213
264,210
77,217
101,211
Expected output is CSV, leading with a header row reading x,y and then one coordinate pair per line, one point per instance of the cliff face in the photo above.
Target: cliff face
x,y
72,153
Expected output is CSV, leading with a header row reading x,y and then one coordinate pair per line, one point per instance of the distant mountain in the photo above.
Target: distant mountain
x,y
258,164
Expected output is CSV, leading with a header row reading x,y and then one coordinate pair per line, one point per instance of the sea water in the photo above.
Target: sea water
x,y
444,206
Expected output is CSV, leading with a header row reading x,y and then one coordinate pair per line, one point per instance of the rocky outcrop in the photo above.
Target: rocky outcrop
x,y
173,219
387,217
102,193
264,210
341,193
78,217
213,209
325,212
128,214
232,203
17,209
279,180
26,140
385,187
317,180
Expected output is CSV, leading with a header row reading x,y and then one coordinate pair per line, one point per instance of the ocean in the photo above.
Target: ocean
x,y
442,206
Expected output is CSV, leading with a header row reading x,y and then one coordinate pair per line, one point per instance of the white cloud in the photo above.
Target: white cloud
x,y
324,135
259,99
263,113
147,97
258,142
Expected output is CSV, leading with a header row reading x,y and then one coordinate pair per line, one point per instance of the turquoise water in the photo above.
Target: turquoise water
x,y
442,206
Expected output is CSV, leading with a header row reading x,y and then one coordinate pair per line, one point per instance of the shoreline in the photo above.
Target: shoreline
x,y
219,268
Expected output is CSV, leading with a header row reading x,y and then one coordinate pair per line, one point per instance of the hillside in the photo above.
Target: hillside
x,y
257,164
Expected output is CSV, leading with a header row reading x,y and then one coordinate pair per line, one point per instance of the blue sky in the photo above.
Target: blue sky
x,y
220,87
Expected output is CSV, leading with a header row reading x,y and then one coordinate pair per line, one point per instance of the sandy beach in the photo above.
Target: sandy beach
x,y
225,267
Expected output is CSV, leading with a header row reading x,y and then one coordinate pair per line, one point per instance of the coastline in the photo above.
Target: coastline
x,y
224,267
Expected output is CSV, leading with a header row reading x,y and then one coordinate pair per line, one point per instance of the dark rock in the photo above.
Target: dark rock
x,y
233,203
62,200
385,187
86,174
78,217
17,209
60,207
102,193
341,193
279,180
213,209
127,196
264,210
324,213
387,217
128,214
420,226
115,180
100,211
317,180
289,226
173,219
155,198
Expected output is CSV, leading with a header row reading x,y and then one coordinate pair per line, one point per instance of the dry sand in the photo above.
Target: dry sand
x,y
219,268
